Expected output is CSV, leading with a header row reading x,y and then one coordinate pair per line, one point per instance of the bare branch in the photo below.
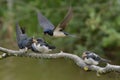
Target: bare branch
x,y
75,58
12,52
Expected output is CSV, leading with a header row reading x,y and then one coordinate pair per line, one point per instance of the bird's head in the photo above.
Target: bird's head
x,y
33,40
40,40
30,41
49,32
85,54
43,43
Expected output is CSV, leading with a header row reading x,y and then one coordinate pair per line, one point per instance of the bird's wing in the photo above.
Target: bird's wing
x,y
44,22
94,57
105,60
20,33
33,47
67,18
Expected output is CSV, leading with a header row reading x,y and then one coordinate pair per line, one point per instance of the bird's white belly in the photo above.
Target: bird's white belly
x,y
90,61
42,49
58,34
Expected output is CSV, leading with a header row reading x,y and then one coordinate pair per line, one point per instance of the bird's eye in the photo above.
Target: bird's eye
x,y
87,57
87,52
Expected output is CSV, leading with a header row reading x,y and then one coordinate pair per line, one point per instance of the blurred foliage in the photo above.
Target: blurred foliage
x,y
95,22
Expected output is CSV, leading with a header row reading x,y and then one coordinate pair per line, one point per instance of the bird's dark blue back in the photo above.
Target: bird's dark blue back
x,y
95,57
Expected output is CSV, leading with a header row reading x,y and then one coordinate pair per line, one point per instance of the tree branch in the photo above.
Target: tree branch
x,y
75,58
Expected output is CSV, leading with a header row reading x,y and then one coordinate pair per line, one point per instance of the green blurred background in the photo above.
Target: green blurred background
x,y
95,22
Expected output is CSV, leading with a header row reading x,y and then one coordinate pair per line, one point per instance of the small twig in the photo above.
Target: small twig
x,y
12,52
4,55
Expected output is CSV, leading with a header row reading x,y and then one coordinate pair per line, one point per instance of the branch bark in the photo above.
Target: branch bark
x,y
75,58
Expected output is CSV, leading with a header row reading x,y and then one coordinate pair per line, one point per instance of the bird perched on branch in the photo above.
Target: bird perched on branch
x,y
50,29
41,46
91,58
23,41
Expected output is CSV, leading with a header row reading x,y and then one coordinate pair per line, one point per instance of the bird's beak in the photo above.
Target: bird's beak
x,y
34,40
84,55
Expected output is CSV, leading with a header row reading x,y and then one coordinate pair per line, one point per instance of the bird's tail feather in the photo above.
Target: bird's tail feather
x,y
105,60
49,46
73,36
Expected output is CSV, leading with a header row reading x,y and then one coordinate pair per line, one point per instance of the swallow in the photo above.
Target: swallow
x,y
50,29
91,58
40,46
23,41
